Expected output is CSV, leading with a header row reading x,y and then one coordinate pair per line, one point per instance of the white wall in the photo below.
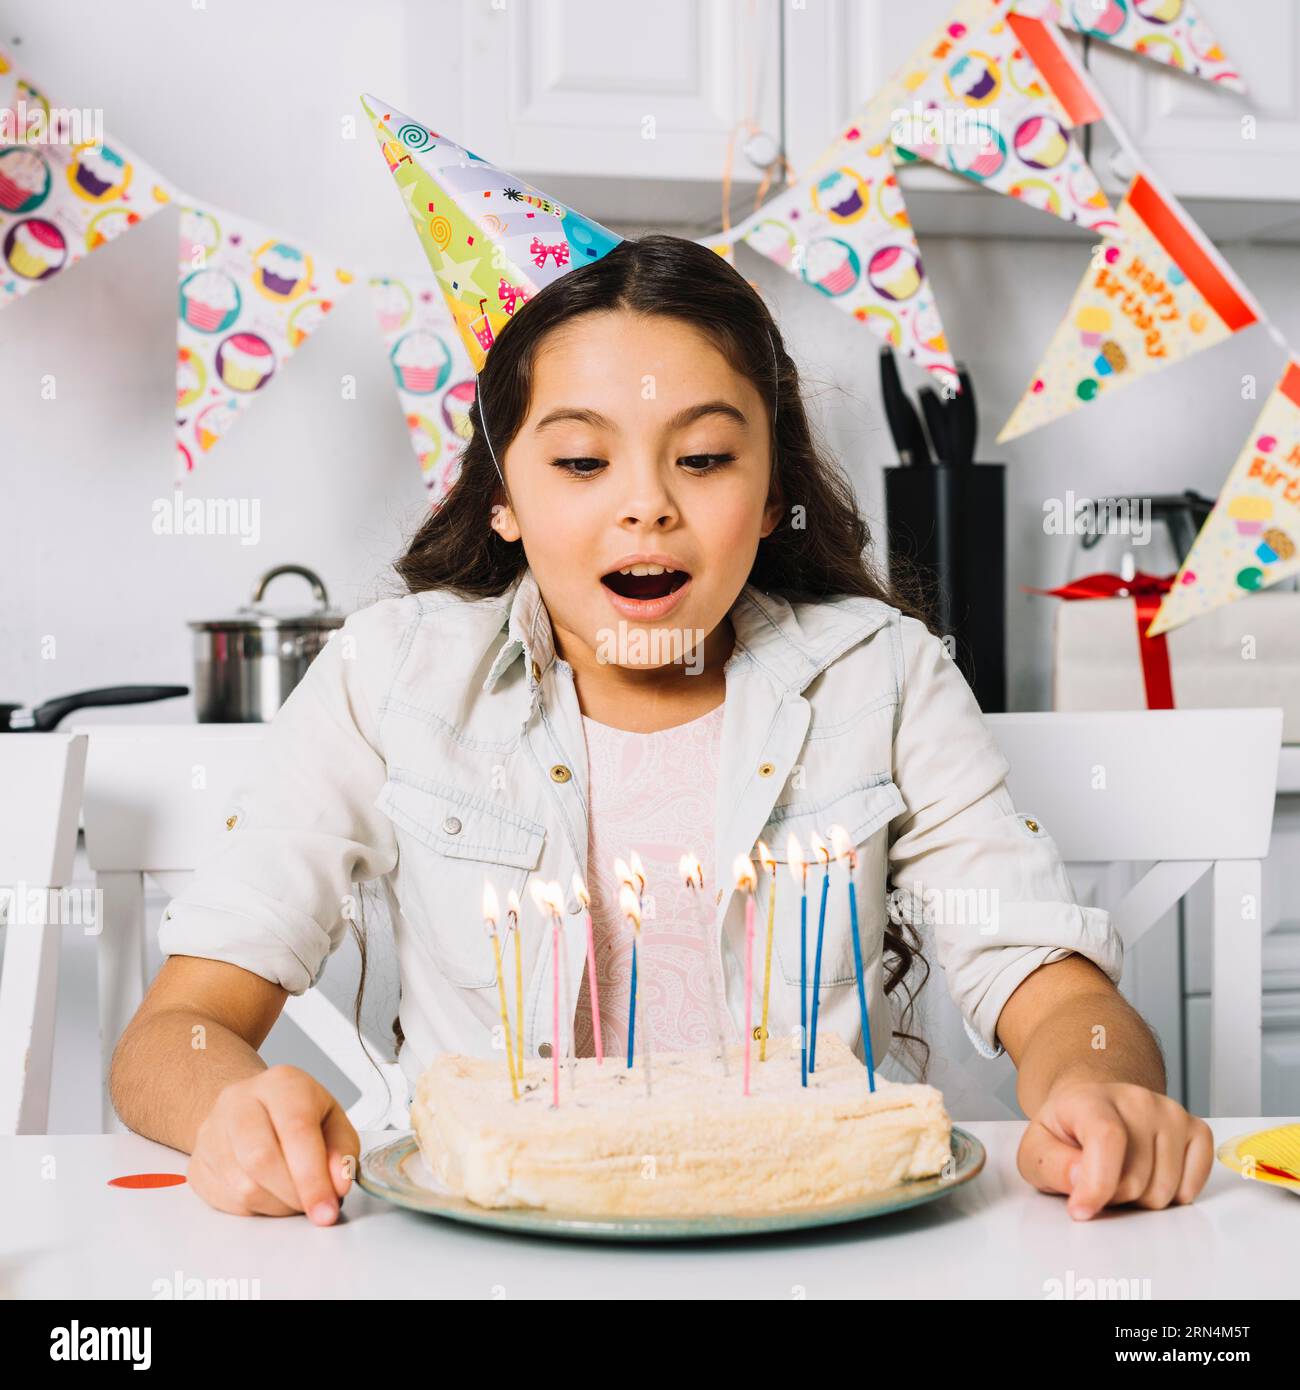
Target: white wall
x,y
241,104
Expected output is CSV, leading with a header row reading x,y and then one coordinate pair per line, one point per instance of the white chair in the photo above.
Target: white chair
x,y
156,801
1191,793
40,793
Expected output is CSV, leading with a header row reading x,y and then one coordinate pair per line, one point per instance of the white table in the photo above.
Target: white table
x,y
72,1236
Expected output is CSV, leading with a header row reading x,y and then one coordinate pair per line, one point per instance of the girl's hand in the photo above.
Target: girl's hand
x,y
275,1144
1104,1143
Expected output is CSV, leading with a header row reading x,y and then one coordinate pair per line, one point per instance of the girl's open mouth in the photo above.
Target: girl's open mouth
x,y
645,586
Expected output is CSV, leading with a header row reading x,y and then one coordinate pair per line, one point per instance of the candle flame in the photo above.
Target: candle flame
x,y
627,900
794,854
765,858
742,866
622,872
691,870
537,888
553,896
843,845
638,869
512,904
818,848
580,890
491,907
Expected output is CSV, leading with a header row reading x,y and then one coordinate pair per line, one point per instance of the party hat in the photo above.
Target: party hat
x,y
492,239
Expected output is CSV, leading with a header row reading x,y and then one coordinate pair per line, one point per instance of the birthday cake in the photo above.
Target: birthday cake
x,y
695,1146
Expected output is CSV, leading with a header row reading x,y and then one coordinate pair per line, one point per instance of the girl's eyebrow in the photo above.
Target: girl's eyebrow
x,y
684,417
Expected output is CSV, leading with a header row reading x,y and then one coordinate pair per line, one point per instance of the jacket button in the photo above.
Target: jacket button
x,y
537,672
231,822
451,825
543,1049
766,769
560,773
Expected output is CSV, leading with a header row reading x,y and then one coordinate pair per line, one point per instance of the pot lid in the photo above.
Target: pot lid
x,y
257,615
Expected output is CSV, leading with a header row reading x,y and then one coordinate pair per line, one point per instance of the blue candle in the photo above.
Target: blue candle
x,y
631,1013
799,872
818,848
844,850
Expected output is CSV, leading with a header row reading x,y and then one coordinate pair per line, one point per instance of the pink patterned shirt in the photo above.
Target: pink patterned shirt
x,y
653,793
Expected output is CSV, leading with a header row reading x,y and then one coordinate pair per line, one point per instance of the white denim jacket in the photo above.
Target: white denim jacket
x,y
437,741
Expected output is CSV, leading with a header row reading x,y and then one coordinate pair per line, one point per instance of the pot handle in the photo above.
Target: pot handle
x,y
317,587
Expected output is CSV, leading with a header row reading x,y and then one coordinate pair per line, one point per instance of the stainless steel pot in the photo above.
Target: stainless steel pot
x,y
245,666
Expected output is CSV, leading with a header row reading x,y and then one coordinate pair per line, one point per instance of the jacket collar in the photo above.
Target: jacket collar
x,y
789,643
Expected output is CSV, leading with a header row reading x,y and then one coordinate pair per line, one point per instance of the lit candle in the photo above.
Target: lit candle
x,y
631,908
693,872
818,849
746,882
542,896
491,911
593,993
765,858
626,879
799,872
844,850
512,912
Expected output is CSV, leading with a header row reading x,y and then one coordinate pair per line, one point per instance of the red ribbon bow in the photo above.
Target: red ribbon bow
x,y
1147,591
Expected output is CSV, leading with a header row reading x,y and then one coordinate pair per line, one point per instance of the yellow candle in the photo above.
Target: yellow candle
x,y
490,910
765,858
512,907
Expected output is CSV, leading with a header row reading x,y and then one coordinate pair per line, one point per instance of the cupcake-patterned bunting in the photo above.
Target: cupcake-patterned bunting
x,y
1150,299
248,299
1000,107
431,370
59,201
1171,32
846,233
492,239
1251,539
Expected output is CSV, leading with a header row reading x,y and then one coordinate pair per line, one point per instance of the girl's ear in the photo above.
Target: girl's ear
x,y
772,515
503,522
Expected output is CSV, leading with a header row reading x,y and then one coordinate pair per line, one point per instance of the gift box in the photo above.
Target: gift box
x,y
1243,654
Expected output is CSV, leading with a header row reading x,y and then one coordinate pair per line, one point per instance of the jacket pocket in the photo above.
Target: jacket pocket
x,y
864,812
449,841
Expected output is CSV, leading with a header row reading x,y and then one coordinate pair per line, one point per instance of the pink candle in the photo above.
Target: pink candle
x,y
580,892
747,881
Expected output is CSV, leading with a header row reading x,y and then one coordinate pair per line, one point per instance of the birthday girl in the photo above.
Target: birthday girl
x,y
643,622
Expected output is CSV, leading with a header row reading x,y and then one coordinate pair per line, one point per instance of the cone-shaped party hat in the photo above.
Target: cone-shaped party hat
x,y
493,240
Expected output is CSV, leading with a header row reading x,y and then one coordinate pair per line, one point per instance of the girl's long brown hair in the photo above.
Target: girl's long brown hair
x,y
820,547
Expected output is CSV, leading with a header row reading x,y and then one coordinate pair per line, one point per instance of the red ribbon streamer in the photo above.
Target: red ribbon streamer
x,y
1147,591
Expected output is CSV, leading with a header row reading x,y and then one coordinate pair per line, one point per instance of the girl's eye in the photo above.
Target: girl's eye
x,y
707,462
696,463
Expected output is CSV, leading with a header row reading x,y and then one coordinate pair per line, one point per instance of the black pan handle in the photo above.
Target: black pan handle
x,y
45,717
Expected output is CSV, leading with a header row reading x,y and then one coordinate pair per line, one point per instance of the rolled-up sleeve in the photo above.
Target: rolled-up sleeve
x,y
276,895
989,880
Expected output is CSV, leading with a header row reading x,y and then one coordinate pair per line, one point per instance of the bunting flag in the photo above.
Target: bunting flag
x,y
492,239
1251,539
1000,108
60,199
432,372
1150,299
725,249
248,301
847,234
1169,31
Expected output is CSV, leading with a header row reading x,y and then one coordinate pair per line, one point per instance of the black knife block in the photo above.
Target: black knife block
x,y
947,525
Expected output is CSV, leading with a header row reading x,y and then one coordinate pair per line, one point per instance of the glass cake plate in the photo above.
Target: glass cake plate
x,y
398,1173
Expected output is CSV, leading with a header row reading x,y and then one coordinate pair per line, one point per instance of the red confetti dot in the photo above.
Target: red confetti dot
x,y
957,30
147,1180
1266,443
1112,255
1039,385
1189,576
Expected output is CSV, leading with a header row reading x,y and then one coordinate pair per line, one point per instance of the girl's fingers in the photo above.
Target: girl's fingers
x,y
1198,1159
343,1144
257,1152
1045,1161
298,1128
1096,1125
215,1174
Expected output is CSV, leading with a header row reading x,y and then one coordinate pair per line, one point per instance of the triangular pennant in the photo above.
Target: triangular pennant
x,y
1151,298
1000,109
60,198
1171,32
492,239
432,372
1251,539
248,300
847,234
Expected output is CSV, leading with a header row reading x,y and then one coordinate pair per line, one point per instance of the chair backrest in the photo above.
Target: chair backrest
x,y
1114,787
40,793
156,801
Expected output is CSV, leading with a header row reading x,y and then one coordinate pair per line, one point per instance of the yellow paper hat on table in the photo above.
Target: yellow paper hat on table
x,y
493,240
